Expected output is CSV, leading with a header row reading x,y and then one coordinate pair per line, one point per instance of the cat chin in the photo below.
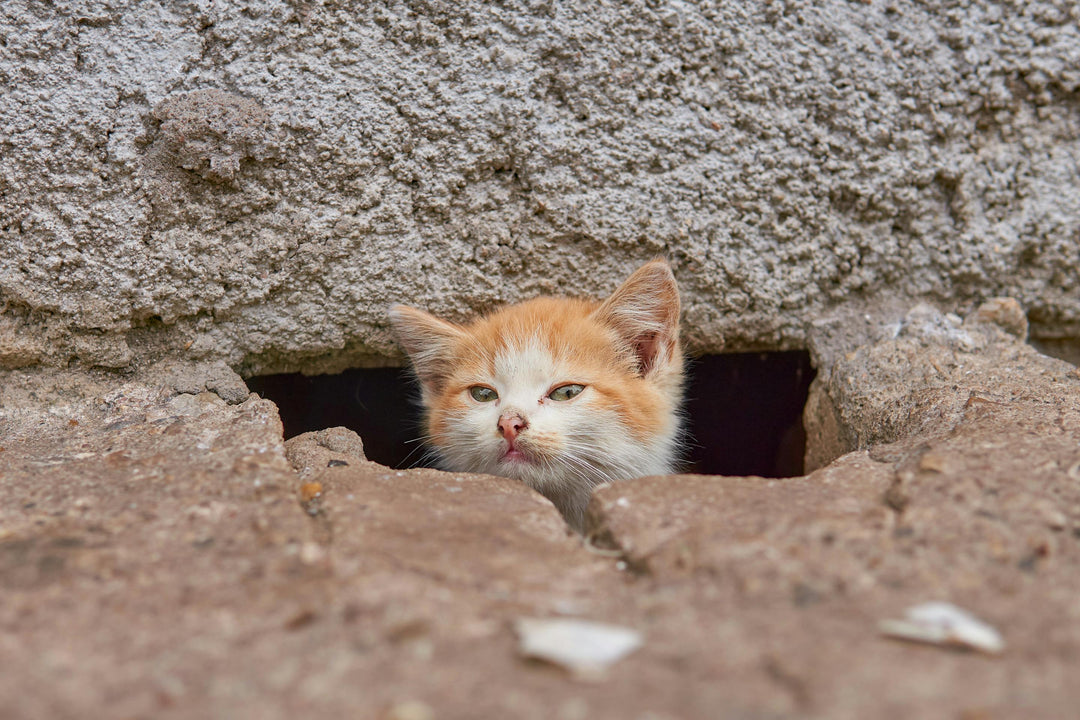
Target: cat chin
x,y
540,477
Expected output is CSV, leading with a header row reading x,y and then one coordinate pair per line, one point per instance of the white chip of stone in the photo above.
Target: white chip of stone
x,y
584,647
942,623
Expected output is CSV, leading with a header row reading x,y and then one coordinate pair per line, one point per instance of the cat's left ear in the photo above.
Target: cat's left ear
x,y
429,342
644,311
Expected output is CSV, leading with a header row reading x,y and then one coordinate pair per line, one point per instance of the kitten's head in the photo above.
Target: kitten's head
x,y
562,394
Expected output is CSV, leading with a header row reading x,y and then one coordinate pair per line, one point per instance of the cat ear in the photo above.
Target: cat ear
x,y
429,342
644,311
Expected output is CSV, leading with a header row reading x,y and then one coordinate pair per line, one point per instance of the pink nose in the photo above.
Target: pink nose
x,y
511,425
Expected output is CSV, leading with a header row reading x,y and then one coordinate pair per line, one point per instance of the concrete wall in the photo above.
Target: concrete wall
x,y
255,183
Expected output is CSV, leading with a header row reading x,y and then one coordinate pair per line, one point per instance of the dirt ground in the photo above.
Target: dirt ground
x,y
163,553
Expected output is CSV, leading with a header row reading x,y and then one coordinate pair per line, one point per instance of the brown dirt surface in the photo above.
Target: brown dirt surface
x,y
165,554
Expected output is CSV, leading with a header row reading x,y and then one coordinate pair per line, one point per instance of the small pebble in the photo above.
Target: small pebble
x,y
583,647
942,623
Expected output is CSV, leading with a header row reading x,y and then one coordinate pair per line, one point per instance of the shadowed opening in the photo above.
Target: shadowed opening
x,y
743,411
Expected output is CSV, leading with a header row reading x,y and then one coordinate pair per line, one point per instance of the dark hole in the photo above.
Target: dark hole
x,y
744,411
380,404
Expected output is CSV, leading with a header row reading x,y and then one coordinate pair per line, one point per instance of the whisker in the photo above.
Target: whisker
x,y
585,469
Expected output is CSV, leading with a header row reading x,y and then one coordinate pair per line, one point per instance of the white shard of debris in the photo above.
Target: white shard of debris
x,y
583,647
942,623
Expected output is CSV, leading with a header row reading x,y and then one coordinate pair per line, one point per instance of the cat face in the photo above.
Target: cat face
x,y
561,394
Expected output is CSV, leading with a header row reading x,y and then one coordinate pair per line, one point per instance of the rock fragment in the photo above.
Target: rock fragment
x,y
1006,313
942,623
585,648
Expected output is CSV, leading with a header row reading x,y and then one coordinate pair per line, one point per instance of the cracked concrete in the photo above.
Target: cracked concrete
x,y
145,535
165,553
255,185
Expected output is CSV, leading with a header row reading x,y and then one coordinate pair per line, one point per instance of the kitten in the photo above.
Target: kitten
x,y
561,394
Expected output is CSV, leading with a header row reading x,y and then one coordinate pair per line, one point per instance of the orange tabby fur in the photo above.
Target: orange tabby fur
x,y
624,353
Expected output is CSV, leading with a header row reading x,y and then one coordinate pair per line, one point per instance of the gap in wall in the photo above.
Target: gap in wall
x,y
744,413
1067,349
743,410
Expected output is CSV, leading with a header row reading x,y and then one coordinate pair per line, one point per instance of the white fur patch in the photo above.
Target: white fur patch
x,y
523,375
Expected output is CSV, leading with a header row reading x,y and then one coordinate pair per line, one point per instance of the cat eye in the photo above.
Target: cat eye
x,y
565,392
483,394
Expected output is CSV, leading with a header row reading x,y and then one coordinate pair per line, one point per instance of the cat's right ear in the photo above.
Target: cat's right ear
x,y
429,342
644,311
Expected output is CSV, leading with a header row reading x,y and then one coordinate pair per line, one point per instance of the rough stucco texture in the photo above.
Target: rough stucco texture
x,y
254,183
